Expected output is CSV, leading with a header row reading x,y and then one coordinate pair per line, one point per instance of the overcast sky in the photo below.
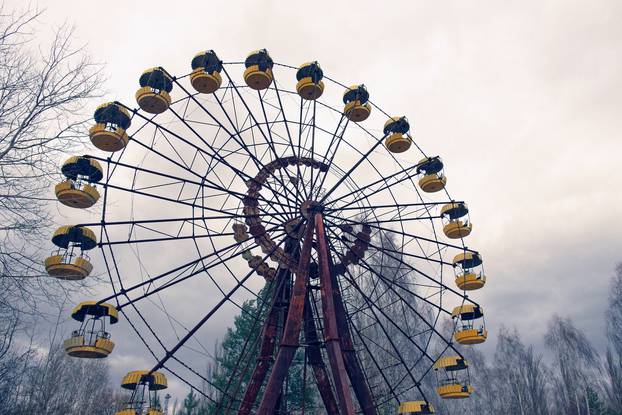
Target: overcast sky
x,y
522,99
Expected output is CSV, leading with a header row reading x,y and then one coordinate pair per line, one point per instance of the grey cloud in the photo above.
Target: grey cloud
x,y
520,98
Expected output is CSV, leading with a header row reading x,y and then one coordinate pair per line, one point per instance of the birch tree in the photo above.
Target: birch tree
x,y
576,366
43,91
613,360
520,378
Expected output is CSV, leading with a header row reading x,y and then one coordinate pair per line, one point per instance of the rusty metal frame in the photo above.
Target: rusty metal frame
x,y
293,325
314,357
268,342
353,367
340,350
332,339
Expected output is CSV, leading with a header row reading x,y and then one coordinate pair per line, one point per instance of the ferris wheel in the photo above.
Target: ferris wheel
x,y
261,181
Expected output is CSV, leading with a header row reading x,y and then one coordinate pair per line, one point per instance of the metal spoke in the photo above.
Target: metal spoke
x,y
232,164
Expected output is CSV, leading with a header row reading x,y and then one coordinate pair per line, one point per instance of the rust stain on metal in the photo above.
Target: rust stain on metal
x,y
317,362
331,331
293,325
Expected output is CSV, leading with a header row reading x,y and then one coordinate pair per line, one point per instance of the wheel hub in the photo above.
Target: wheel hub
x,y
311,207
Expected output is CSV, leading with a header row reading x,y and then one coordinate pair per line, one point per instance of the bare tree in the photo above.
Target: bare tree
x,y
613,386
614,311
483,380
54,383
520,378
613,362
12,364
43,90
577,366
47,380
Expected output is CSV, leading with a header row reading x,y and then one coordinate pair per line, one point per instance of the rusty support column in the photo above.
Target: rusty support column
x,y
331,330
291,335
317,362
268,340
353,367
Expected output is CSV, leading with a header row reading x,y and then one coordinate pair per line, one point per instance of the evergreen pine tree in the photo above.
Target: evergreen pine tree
x,y
594,403
190,404
224,375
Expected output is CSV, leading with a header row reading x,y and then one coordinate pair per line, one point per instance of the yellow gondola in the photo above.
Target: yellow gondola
x,y
415,408
91,340
144,385
470,281
467,260
64,268
258,74
466,332
453,226
153,96
457,229
310,85
153,380
80,236
70,261
452,377
470,274
396,131
109,132
357,108
78,190
205,76
433,179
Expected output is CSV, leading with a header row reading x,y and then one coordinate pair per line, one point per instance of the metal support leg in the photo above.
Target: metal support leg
x,y
293,325
317,363
331,330
353,367
268,340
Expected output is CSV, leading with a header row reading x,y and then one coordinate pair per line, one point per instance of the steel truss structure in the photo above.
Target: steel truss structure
x,y
354,242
